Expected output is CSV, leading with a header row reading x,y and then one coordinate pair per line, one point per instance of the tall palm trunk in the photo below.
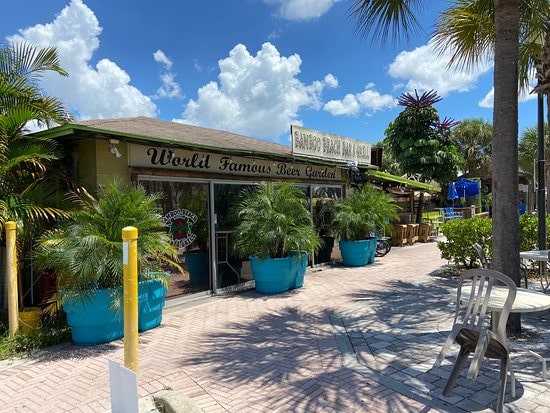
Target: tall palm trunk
x,y
505,144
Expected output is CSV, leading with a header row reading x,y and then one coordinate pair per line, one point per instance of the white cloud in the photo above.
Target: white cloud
x,y
488,99
94,92
161,58
301,9
369,100
169,87
258,95
331,81
424,68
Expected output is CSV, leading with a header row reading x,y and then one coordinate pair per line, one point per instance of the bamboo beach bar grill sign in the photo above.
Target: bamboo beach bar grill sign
x,y
182,159
315,144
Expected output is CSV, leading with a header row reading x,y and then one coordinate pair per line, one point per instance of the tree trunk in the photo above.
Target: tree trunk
x,y
505,144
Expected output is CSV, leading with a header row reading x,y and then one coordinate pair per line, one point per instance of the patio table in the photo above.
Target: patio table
x,y
526,301
542,257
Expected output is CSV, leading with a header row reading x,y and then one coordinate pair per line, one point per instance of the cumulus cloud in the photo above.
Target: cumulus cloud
x,y
524,96
169,87
258,95
368,100
301,9
424,68
99,91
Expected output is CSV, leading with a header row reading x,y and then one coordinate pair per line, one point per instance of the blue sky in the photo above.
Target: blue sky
x,y
248,66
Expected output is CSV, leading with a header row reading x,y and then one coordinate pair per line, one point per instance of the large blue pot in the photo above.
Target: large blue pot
x,y
358,253
95,322
151,299
272,275
196,264
298,263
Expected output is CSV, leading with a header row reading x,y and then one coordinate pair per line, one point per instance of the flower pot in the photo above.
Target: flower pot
x,y
298,263
93,321
272,275
358,253
325,252
196,264
151,300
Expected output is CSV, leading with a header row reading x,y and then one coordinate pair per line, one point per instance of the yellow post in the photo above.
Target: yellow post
x,y
129,261
11,276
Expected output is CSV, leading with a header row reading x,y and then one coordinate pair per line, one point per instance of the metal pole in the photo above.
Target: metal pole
x,y
11,275
129,262
541,190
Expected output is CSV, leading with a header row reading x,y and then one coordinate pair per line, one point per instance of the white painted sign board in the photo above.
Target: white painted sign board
x,y
123,384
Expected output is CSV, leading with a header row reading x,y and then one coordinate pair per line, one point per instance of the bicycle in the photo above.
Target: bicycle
x,y
383,246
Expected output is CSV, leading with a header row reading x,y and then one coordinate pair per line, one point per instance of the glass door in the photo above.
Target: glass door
x,y
231,269
184,206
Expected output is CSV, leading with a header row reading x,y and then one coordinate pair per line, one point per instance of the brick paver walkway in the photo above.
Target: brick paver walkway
x,y
353,339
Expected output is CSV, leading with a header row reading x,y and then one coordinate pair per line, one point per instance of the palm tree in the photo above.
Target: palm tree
x,y
26,195
473,140
527,151
394,15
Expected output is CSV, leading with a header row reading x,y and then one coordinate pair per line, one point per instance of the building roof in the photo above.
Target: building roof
x,y
142,128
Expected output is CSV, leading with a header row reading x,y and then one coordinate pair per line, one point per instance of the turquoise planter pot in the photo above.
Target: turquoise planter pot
x,y
358,253
272,275
94,322
151,300
196,264
298,263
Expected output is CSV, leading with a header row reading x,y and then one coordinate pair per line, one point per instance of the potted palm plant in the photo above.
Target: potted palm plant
x,y
275,229
86,253
357,218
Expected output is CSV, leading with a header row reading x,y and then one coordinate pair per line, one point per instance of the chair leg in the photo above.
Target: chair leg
x,y
502,388
459,363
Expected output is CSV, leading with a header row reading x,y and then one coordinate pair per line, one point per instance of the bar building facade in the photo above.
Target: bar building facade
x,y
201,172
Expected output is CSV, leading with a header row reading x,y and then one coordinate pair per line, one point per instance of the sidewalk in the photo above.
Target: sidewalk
x,y
353,339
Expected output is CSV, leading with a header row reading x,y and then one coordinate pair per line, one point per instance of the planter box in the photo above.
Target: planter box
x,y
358,253
95,322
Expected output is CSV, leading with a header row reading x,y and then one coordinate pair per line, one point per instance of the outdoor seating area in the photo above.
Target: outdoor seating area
x,y
367,342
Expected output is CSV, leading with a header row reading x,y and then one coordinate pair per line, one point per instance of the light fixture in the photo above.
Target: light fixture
x,y
113,148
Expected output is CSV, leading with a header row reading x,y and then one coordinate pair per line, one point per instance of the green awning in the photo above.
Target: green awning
x,y
384,176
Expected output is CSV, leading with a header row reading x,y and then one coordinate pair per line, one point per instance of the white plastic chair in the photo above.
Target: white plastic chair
x,y
472,331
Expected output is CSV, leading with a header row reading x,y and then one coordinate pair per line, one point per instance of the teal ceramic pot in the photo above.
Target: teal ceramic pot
x,y
93,321
271,275
299,261
358,253
196,264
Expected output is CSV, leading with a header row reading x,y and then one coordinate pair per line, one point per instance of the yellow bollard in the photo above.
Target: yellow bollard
x,y
129,261
11,275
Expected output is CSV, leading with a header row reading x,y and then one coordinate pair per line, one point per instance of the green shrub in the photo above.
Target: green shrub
x,y
54,331
461,234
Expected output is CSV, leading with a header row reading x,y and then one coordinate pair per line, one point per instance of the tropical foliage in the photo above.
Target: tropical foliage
x,y
460,235
273,220
363,212
27,195
86,252
527,151
421,142
473,138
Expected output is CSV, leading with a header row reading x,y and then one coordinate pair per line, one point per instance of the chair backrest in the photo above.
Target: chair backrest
x,y
485,263
482,290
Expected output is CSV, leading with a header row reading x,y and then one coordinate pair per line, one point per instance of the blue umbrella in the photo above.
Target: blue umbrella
x,y
452,194
467,187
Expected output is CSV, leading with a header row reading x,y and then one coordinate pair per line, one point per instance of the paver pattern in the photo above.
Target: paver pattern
x,y
351,340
